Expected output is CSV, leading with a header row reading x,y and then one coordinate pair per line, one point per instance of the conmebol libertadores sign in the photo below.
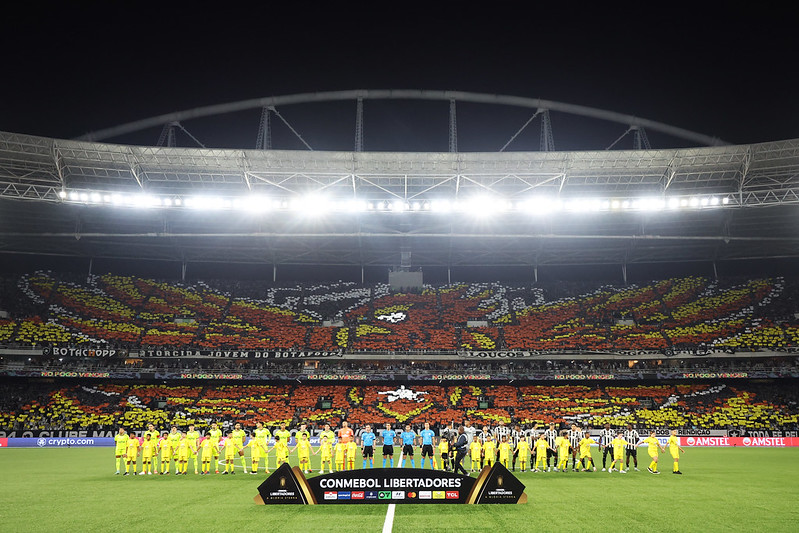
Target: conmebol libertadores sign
x,y
391,485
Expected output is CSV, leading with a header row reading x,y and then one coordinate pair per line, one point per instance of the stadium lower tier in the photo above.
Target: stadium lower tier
x,y
29,404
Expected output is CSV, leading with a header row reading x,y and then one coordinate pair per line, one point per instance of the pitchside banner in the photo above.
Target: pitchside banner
x,y
763,442
56,442
390,485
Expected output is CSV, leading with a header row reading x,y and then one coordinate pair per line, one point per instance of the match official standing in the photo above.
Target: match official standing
x,y
461,447
632,438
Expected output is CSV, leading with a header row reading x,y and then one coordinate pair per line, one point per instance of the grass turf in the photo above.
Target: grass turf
x,y
728,489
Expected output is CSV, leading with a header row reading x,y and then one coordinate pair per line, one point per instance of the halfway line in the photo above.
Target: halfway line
x,y
388,523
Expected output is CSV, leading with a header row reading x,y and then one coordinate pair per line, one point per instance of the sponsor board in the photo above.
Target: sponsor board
x,y
391,485
763,442
756,433
59,442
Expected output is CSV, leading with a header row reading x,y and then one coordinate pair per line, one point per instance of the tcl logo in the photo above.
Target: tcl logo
x,y
452,494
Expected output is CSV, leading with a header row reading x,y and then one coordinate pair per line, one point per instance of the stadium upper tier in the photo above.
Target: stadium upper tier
x,y
264,206
673,314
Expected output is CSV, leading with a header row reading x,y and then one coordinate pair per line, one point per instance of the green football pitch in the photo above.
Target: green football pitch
x,y
729,489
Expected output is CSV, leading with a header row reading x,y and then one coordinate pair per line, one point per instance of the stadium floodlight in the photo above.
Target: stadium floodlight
x,y
542,205
254,203
311,205
441,206
399,206
62,194
353,205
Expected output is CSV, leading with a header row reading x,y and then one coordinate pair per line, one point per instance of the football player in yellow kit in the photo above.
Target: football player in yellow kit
x,y
121,447
675,450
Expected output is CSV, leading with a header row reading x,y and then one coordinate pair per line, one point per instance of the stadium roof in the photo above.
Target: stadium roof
x,y
79,198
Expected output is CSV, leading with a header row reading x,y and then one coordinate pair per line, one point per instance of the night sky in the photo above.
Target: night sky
x,y
71,70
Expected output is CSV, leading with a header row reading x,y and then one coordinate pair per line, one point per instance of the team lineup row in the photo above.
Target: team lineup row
x,y
339,449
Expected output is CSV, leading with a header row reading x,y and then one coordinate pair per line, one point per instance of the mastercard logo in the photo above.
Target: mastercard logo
x,y
411,495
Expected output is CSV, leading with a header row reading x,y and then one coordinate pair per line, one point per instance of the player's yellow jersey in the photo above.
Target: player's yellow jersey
x,y
284,434
352,449
183,448
194,437
154,435
331,437
674,444
282,449
523,447
207,447
562,445
238,436
585,446
174,441
618,446
541,447
230,448
475,450
443,446
654,445
341,447
303,448
504,449
121,443
148,448
215,435
490,448
302,433
133,447
326,449
261,437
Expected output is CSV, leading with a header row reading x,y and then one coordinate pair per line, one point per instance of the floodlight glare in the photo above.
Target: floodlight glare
x,y
441,206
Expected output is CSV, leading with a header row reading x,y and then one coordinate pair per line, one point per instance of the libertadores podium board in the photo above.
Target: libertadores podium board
x,y
494,484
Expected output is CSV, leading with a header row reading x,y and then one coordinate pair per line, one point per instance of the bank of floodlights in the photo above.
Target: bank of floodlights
x,y
476,205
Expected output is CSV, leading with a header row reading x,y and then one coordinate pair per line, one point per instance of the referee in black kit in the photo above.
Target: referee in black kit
x,y
461,447
605,438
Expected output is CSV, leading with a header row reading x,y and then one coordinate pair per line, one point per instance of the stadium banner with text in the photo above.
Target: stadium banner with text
x,y
288,485
762,433
764,442
93,351
59,442
236,354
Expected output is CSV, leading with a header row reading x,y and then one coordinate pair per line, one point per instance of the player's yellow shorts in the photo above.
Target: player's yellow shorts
x,y
304,458
618,457
120,451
